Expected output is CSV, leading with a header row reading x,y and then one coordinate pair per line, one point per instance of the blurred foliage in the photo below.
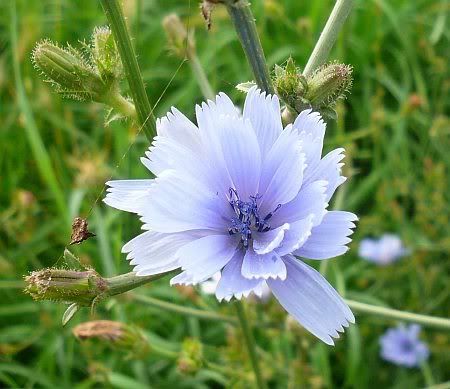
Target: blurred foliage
x,y
56,154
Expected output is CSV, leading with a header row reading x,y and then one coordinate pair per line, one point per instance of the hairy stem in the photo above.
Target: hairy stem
x,y
250,343
328,36
116,20
245,26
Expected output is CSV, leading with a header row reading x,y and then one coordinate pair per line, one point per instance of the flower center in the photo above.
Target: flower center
x,y
406,345
247,217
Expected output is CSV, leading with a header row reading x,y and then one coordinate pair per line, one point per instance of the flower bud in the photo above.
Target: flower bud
x,y
191,357
67,70
320,91
114,334
81,287
289,84
328,84
181,42
105,55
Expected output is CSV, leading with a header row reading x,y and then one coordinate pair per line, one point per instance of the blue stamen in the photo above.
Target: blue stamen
x,y
247,217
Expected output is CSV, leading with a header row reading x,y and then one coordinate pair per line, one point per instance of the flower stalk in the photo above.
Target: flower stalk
x,y
328,36
182,44
250,343
245,26
144,111
429,321
86,287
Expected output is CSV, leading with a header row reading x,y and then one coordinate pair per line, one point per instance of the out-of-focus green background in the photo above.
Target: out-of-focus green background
x,y
56,155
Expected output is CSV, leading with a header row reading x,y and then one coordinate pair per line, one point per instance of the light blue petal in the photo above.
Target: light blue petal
x,y
205,256
311,300
282,172
240,150
311,131
296,236
179,204
329,239
265,242
154,252
128,195
328,169
263,266
309,201
232,283
263,111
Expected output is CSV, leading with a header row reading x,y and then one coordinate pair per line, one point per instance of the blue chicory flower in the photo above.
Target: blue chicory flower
x,y
383,251
402,346
240,195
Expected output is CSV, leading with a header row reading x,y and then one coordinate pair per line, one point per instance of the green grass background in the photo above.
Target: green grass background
x,y
55,156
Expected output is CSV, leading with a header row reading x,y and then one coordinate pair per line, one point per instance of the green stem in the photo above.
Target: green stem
x,y
122,105
201,314
430,321
200,76
128,281
245,26
328,36
144,111
250,343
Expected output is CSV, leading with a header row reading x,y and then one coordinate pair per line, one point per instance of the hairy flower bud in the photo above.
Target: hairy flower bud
x,y
181,42
105,55
320,91
81,287
67,70
289,84
114,334
328,84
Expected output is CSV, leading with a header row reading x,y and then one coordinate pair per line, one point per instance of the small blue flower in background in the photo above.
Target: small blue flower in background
x,y
383,251
241,195
402,346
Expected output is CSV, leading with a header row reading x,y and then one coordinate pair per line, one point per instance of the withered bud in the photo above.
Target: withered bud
x,y
181,42
114,334
80,231
69,286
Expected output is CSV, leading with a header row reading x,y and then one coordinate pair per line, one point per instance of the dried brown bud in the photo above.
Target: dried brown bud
x,y
80,231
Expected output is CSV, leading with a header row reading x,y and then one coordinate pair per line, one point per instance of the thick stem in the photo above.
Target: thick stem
x,y
328,36
116,20
430,321
250,343
245,26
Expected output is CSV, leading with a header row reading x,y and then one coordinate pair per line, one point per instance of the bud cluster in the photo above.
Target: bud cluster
x,y
319,91
90,74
